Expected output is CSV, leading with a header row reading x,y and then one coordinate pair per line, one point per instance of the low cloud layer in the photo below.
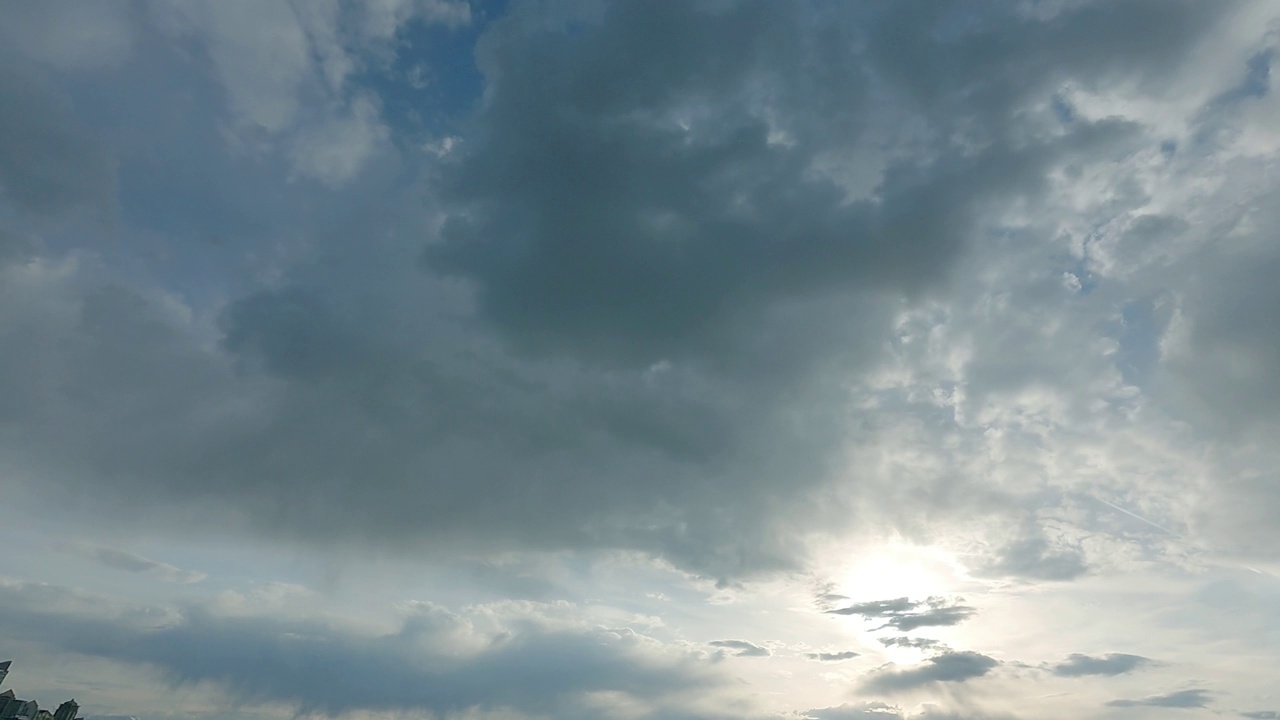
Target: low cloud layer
x,y
1078,665
884,711
949,667
130,562
436,661
1194,698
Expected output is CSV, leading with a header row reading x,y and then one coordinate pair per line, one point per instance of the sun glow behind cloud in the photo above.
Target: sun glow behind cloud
x,y
900,569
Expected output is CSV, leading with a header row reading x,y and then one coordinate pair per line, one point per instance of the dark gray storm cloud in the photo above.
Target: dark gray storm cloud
x,y
832,657
741,648
906,615
675,278
1077,665
1195,698
50,164
949,667
636,205
53,169
317,666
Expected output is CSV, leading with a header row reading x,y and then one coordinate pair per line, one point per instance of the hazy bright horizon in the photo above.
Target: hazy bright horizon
x,y
648,360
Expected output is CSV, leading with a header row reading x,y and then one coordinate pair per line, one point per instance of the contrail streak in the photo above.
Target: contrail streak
x,y
1213,558
1136,516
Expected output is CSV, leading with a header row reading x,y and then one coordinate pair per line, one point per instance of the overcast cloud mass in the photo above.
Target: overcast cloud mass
x,y
469,359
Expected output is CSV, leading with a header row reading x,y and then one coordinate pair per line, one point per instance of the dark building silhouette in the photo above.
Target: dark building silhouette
x,y
20,710
67,710
11,708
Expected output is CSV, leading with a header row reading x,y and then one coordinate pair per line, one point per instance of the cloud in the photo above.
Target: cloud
x,y
307,353
949,667
918,643
334,150
260,55
1195,698
701,200
903,614
68,38
651,280
129,562
1261,715
741,648
934,617
703,282
51,165
878,608
383,19
884,711
832,657
287,74
864,710
1077,665
1036,559
436,661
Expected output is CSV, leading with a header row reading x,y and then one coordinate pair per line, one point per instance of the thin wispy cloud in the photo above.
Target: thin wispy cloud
x,y
910,642
1195,698
130,562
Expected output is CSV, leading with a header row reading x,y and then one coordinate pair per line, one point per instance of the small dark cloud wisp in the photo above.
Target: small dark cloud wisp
x,y
948,667
910,642
741,648
1077,664
832,657
906,615
125,561
1034,558
1194,698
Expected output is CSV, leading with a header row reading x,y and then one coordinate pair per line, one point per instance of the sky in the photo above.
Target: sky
x,y
573,360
